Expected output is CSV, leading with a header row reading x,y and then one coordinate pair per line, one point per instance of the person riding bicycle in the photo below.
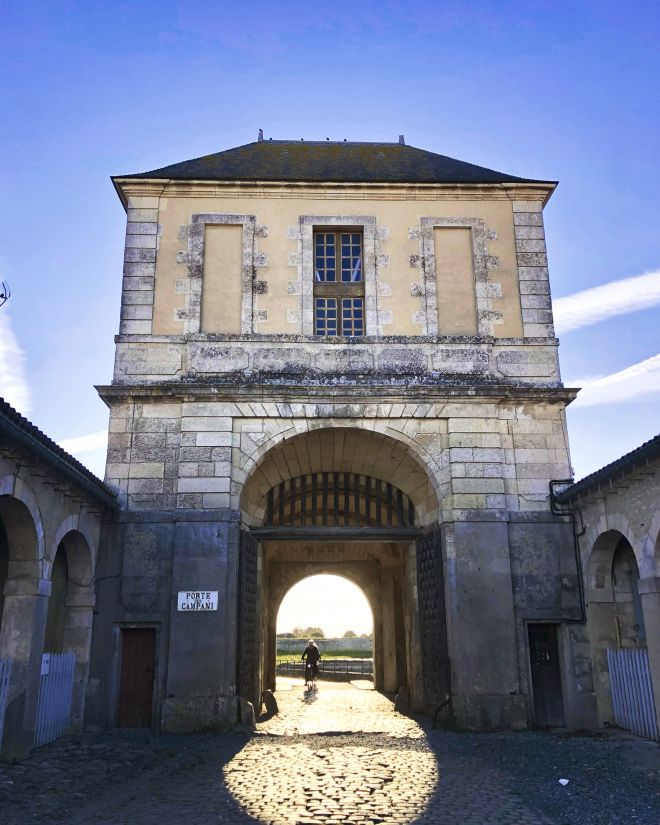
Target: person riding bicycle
x,y
311,656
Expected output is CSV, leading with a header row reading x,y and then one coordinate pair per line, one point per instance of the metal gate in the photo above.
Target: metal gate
x,y
247,650
5,673
432,619
632,691
55,690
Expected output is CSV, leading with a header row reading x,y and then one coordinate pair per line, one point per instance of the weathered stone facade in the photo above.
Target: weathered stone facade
x,y
205,423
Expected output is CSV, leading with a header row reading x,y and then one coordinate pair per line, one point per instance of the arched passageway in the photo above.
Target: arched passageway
x,y
70,610
615,614
354,504
332,610
24,605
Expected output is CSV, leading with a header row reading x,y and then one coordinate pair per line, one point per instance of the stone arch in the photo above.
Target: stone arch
x,y
73,542
378,584
613,602
80,548
299,574
22,520
380,451
371,449
22,615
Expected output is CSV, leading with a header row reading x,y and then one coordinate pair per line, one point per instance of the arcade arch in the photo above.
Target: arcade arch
x,y
615,614
352,503
70,607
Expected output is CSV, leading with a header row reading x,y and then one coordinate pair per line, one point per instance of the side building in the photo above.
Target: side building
x,y
51,509
337,357
617,518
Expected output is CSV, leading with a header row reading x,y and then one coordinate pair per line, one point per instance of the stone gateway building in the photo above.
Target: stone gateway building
x,y
337,358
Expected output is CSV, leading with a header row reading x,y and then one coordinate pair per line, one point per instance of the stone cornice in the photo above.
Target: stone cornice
x,y
140,187
333,341
371,393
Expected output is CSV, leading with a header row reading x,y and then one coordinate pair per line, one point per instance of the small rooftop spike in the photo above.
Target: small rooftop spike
x,y
402,140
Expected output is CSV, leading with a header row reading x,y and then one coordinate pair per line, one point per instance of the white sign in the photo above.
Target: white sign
x,y
197,600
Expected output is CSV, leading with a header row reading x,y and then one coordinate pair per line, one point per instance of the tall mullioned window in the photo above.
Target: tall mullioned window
x,y
338,283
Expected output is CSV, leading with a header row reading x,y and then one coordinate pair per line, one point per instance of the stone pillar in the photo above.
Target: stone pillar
x,y
78,638
377,606
388,650
602,633
486,691
22,639
201,678
271,652
649,591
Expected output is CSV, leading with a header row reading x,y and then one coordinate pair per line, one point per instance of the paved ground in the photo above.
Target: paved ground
x,y
337,756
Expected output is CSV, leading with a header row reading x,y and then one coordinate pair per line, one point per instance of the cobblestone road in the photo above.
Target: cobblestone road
x,y
337,756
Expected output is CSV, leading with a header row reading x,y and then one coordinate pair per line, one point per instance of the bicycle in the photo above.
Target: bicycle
x,y
311,675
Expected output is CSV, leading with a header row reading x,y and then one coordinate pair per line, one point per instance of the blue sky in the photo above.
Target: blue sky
x,y
553,90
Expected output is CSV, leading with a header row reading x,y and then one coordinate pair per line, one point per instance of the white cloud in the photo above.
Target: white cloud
x,y
642,379
616,298
86,443
13,383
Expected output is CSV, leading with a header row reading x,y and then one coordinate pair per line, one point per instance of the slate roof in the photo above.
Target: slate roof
x,y
329,161
611,473
15,427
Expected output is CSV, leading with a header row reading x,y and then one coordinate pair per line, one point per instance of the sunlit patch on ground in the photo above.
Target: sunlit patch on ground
x,y
342,783
338,759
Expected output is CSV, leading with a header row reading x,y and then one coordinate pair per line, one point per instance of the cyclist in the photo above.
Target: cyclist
x,y
311,656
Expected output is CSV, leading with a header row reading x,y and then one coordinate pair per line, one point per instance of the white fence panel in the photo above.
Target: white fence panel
x,y
632,691
54,709
5,673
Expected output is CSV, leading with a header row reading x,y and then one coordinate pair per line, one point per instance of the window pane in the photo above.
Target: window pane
x,y
325,321
324,255
351,257
352,322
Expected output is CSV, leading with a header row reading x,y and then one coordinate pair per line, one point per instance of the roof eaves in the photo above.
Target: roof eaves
x,y
16,426
633,461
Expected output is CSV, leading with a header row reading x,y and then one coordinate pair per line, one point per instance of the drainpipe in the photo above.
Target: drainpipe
x,y
570,511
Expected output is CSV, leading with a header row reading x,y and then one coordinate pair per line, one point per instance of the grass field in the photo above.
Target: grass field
x,y
326,654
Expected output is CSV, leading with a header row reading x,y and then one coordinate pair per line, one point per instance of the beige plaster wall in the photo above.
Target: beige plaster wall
x,y
221,286
277,310
454,280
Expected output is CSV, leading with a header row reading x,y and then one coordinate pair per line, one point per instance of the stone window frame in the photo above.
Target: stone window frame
x,y
367,223
482,263
196,236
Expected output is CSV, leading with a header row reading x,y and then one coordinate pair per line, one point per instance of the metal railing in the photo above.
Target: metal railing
x,y
335,669
5,673
55,690
632,691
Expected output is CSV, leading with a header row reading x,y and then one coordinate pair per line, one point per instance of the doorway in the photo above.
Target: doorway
x,y
136,683
546,675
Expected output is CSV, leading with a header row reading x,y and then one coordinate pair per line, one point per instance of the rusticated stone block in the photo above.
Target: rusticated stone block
x,y
402,360
344,360
280,359
208,358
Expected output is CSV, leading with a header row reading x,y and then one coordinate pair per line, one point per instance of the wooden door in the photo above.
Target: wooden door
x,y
136,686
546,675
